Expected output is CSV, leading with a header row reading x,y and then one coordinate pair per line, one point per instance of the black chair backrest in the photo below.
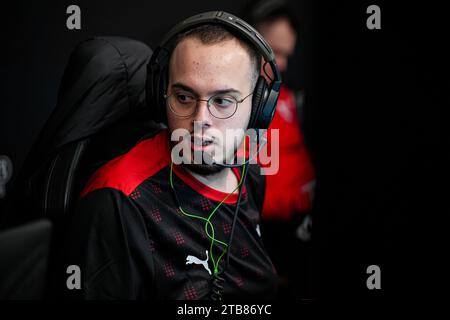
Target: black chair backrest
x,y
101,113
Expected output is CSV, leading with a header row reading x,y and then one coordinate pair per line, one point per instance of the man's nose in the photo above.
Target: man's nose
x,y
202,113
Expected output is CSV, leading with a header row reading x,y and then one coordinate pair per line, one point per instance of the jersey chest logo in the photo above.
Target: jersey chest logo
x,y
204,263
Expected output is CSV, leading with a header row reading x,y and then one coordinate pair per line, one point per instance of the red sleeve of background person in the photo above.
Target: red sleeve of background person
x,y
284,194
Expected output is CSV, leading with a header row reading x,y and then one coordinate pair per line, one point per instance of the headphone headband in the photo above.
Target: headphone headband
x,y
228,20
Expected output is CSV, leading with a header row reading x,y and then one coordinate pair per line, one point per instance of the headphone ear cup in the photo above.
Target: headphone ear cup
x,y
161,100
258,102
156,83
152,90
148,87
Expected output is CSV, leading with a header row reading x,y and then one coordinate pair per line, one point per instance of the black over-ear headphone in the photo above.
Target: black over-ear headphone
x,y
265,95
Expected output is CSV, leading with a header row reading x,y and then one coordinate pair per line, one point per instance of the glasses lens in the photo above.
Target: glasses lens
x,y
182,103
222,106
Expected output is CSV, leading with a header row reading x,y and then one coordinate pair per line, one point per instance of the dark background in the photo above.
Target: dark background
x,y
372,119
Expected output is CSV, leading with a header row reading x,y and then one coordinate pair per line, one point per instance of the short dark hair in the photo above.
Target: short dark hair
x,y
213,33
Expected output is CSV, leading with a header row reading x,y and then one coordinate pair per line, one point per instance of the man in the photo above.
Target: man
x,y
288,200
148,228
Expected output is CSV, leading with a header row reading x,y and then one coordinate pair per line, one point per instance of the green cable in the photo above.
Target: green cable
x,y
208,222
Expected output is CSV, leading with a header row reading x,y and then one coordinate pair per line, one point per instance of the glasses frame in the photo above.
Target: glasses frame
x,y
208,104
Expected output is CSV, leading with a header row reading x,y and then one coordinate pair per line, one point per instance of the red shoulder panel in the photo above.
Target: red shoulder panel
x,y
128,171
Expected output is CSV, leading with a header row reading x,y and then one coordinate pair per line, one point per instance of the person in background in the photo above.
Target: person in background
x,y
289,193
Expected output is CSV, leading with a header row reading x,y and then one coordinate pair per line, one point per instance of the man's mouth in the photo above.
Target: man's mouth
x,y
201,141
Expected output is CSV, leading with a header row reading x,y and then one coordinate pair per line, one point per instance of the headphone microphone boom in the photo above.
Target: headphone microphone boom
x,y
263,138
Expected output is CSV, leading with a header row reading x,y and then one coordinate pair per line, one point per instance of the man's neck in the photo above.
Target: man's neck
x,y
224,180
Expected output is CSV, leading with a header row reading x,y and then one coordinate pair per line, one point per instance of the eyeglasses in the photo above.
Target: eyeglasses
x,y
221,106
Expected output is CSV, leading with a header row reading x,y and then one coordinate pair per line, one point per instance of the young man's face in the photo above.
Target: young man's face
x,y
202,70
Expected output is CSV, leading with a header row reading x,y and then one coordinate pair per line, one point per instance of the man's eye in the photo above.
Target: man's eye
x,y
185,99
223,101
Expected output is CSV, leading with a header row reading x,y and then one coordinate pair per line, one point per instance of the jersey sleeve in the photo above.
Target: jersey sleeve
x,y
107,239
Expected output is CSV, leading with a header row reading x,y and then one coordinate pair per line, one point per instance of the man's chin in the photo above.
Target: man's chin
x,y
204,169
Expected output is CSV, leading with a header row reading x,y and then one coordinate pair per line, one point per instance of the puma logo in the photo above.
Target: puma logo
x,y
204,263
258,230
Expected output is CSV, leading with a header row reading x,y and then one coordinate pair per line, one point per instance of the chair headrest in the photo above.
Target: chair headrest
x,y
103,81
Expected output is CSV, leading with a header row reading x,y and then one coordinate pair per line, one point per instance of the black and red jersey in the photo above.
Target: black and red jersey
x,y
131,241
